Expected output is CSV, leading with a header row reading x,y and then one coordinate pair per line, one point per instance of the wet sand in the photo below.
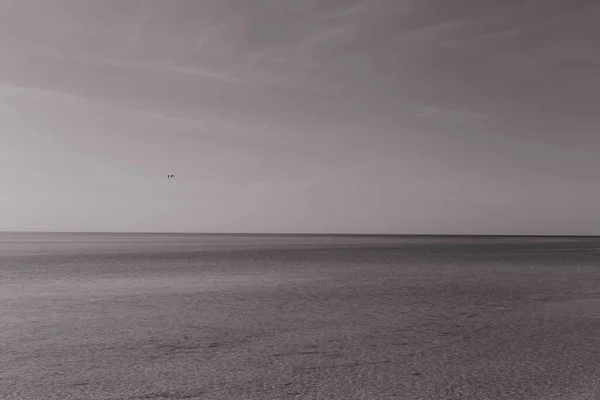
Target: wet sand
x,y
300,319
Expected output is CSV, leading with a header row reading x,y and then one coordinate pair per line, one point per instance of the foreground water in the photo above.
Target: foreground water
x,y
128,316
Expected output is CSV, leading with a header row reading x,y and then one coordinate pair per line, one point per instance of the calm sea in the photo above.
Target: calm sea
x,y
17,243
173,316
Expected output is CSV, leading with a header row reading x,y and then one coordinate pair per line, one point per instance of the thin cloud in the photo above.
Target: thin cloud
x,y
495,35
520,28
149,66
449,115
11,92
430,31
356,9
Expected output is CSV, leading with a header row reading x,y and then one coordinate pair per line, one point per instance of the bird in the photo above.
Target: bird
x,y
170,176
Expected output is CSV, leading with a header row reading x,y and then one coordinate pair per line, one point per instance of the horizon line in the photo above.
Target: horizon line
x,y
304,234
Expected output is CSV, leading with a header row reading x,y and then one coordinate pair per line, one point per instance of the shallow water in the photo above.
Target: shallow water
x,y
157,316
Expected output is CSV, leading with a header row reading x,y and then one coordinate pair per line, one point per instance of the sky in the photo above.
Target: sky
x,y
306,116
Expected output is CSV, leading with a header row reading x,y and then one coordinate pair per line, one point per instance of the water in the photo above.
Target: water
x,y
158,316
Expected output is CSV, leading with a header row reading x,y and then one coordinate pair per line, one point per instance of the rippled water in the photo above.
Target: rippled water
x,y
159,316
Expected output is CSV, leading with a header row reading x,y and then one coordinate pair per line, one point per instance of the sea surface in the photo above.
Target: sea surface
x,y
190,316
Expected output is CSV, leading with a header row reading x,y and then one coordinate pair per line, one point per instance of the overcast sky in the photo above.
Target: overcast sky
x,y
349,116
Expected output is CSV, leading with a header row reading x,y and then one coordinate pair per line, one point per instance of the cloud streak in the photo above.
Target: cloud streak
x,y
449,115
14,92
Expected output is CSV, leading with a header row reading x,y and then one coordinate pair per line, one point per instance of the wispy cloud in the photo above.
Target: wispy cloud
x,y
195,71
9,91
515,25
499,34
449,115
430,31
14,92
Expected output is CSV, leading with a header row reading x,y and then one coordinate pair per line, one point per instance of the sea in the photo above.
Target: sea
x,y
223,316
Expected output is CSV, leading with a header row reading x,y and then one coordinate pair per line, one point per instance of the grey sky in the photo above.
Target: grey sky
x,y
373,116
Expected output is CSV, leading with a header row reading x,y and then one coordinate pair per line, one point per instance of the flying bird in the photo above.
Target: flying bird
x,y
170,176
